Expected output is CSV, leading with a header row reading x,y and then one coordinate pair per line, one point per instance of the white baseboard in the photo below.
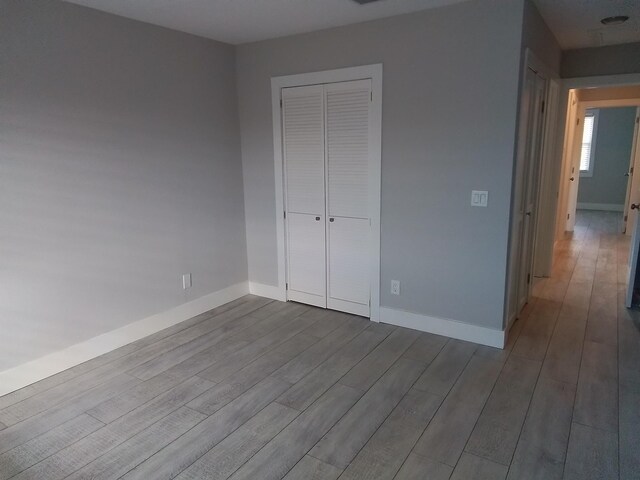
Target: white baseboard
x,y
267,291
30,372
445,327
607,207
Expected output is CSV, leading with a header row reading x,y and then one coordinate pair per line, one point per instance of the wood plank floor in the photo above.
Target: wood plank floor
x,y
258,389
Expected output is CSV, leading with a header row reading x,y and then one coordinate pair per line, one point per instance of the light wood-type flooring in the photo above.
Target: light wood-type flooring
x,y
259,390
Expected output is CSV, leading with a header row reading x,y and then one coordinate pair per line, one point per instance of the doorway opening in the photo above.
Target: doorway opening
x,y
601,154
601,165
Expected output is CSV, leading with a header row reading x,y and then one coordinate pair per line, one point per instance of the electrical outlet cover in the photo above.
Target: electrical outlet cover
x,y
479,198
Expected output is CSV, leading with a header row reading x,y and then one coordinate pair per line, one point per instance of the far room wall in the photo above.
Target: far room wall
x,y
450,95
606,189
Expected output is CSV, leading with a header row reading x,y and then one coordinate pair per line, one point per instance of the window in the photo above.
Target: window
x,y
588,143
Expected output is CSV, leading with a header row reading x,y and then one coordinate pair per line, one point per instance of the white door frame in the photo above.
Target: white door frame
x,y
562,163
373,72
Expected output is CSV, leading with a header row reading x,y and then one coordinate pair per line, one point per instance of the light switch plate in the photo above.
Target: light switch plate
x,y
479,198
186,281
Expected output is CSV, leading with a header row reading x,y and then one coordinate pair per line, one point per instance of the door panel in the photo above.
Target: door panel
x,y
525,192
633,182
574,177
348,268
303,142
633,265
534,150
303,148
307,264
519,198
348,107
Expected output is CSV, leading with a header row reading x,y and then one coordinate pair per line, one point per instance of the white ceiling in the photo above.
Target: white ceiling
x,y
576,23
242,21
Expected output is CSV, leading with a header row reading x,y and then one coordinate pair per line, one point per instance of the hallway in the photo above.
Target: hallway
x,y
583,420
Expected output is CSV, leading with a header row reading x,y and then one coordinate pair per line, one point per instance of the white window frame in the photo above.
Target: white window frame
x,y
595,113
373,72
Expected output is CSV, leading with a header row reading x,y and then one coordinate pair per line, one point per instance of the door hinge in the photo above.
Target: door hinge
x,y
568,216
637,119
578,121
285,214
280,103
286,286
372,95
625,218
528,278
543,106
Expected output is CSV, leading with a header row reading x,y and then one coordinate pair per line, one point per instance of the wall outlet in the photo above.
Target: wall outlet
x,y
186,281
395,287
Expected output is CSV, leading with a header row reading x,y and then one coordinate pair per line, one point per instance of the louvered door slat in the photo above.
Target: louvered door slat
x,y
348,107
303,141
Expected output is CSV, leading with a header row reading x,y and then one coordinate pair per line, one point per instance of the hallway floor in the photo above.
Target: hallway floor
x,y
583,421
261,390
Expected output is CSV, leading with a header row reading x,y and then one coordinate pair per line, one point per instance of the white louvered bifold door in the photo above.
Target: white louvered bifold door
x,y
304,160
347,108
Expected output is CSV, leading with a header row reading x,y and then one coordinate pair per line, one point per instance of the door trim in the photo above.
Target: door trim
x,y
373,72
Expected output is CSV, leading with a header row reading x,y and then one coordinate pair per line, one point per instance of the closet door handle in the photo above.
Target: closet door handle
x,y
332,219
317,219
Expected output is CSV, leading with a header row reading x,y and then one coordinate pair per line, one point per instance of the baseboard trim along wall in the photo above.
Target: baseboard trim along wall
x,y
606,207
56,362
445,327
267,291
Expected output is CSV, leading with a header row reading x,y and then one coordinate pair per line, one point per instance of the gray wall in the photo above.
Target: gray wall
x,y
537,36
120,170
449,116
614,139
610,60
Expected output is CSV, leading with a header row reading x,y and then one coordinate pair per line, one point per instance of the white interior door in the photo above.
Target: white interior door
x,y
303,143
326,148
633,262
574,177
348,136
530,191
633,182
547,198
525,191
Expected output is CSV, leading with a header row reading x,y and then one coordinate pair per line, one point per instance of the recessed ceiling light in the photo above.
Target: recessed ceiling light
x,y
617,20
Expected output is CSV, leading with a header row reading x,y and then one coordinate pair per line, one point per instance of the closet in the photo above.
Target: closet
x,y
326,143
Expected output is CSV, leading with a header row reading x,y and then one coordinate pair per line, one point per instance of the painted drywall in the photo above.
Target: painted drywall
x,y
120,170
612,154
450,98
609,60
538,37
